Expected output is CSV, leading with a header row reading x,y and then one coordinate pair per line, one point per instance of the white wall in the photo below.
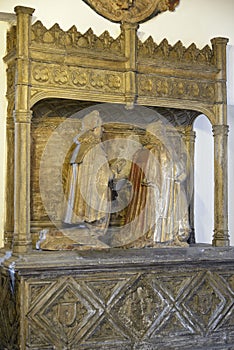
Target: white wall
x,y
195,21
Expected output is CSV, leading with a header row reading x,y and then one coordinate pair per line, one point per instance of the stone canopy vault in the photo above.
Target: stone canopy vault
x,y
51,71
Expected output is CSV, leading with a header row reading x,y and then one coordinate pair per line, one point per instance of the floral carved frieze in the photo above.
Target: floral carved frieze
x,y
58,38
56,75
176,88
131,11
179,53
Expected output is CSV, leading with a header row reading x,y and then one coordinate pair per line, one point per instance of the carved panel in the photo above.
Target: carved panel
x,y
9,316
69,312
136,308
52,75
55,37
139,308
176,88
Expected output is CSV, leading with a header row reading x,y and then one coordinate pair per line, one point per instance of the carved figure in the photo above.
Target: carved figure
x,y
158,212
172,224
87,191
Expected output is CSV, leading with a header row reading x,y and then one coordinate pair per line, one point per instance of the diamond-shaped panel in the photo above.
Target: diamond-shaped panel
x,y
64,314
208,301
139,307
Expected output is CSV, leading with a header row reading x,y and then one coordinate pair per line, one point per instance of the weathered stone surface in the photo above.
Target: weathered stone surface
x,y
119,299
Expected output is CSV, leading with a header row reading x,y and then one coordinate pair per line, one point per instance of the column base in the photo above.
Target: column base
x,y
221,239
21,247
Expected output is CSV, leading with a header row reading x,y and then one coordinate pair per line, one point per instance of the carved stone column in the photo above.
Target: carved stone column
x,y
22,117
190,136
130,34
221,237
9,213
220,131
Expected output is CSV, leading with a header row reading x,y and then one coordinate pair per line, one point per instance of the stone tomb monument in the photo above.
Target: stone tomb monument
x,y
100,247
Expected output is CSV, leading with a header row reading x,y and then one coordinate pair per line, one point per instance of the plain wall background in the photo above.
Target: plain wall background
x,y
194,21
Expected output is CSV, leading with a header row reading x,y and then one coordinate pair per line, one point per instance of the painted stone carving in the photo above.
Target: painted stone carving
x,y
133,196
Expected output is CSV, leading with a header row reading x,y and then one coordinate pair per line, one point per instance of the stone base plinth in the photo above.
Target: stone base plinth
x,y
171,298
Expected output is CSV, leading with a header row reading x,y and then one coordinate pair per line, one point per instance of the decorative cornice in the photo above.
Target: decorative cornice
x,y
131,11
72,39
179,53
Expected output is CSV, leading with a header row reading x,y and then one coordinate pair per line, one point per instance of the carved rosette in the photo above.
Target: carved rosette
x,y
176,88
131,11
88,79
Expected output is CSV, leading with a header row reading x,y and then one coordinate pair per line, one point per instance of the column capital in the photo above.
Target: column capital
x,y
220,130
219,41
129,26
190,135
24,10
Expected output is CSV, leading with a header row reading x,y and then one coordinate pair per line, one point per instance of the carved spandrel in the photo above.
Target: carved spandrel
x,y
177,117
105,331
